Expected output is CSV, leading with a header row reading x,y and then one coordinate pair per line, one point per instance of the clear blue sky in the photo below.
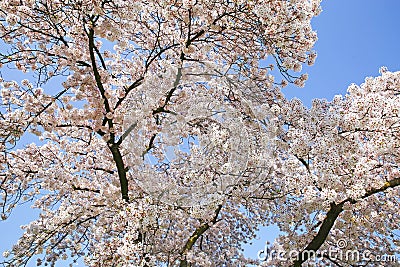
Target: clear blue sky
x,y
356,38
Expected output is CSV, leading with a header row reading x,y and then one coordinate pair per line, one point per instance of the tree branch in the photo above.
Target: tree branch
x,y
330,219
196,235
114,147
322,234
123,181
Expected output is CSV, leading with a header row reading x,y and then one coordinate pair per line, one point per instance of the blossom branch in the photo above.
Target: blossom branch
x,y
196,235
331,217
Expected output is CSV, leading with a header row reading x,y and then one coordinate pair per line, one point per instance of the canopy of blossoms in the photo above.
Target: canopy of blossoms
x,y
166,141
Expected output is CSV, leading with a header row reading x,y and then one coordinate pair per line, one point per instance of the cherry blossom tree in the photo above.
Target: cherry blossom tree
x,y
166,141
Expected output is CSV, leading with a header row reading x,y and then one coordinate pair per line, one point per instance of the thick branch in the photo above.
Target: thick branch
x,y
322,234
112,145
123,181
330,219
392,183
196,235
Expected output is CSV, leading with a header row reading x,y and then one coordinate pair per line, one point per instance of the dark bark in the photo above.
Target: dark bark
x,y
331,217
114,147
196,235
322,234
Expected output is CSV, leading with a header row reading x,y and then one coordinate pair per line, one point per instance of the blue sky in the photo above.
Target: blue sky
x,y
356,38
